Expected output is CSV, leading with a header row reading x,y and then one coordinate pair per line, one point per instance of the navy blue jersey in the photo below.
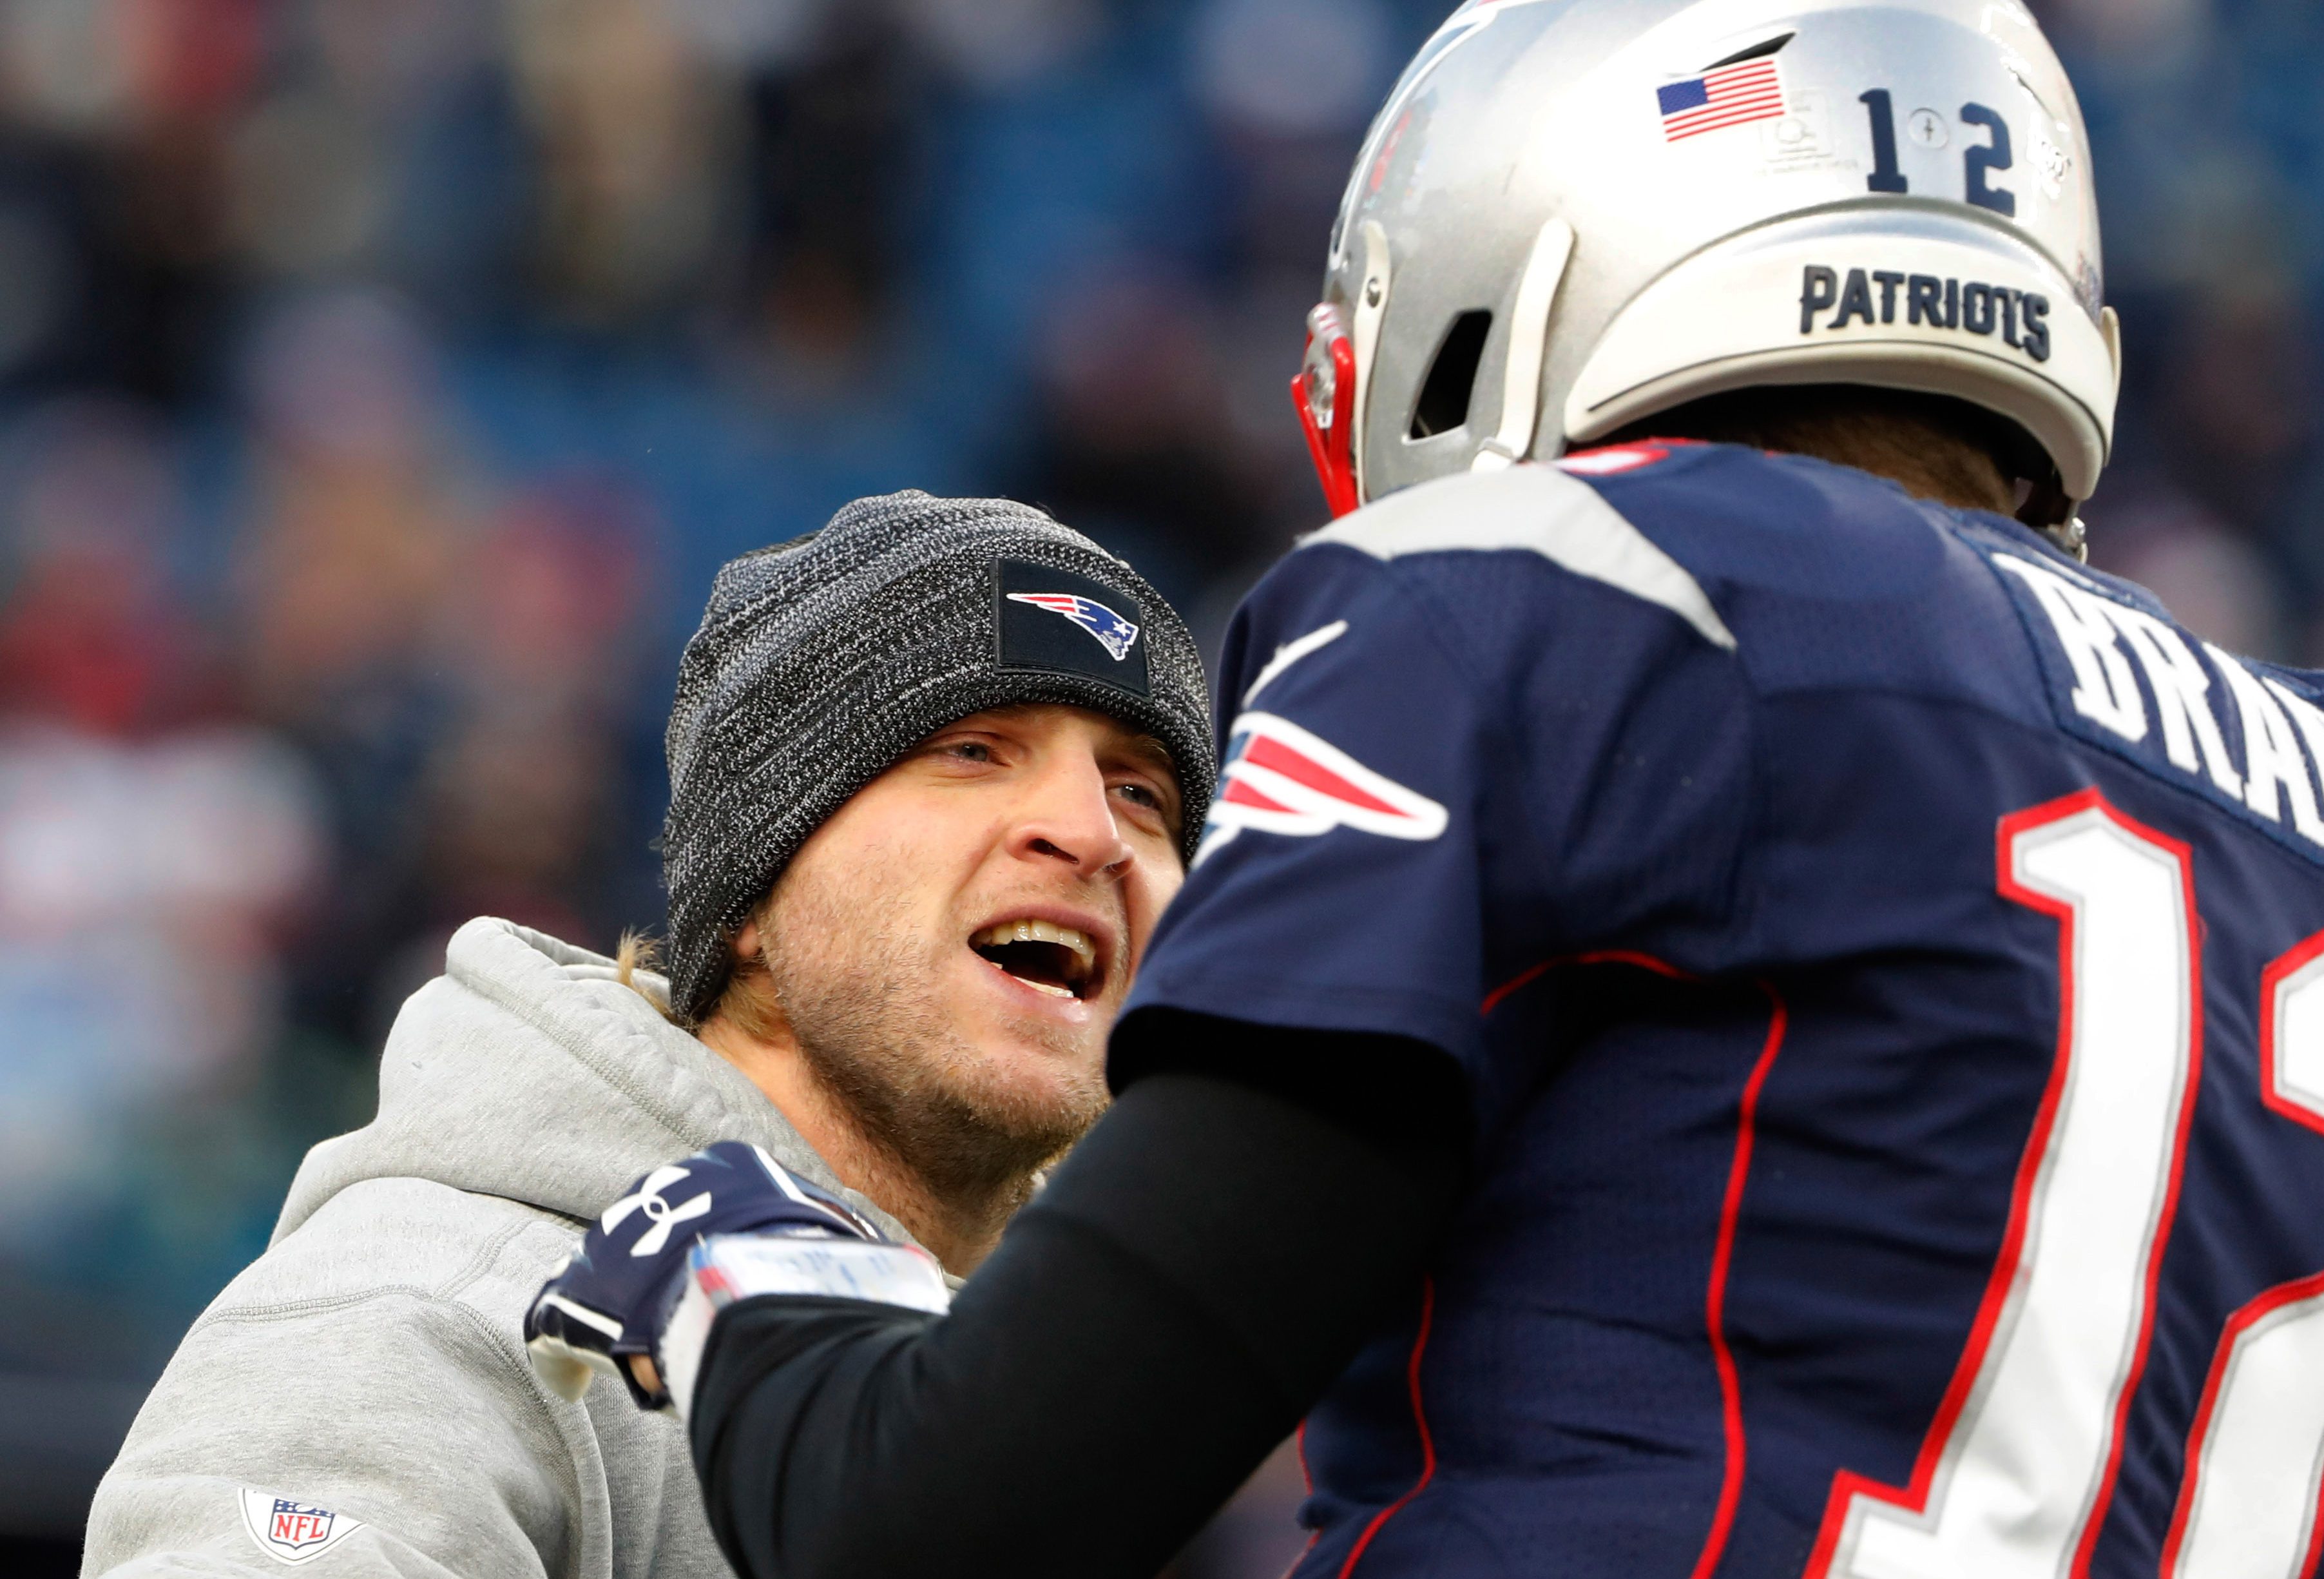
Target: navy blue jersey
x,y
1884,960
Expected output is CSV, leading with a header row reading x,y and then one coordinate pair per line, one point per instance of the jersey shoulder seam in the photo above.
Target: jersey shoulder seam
x,y
1737,912
1581,532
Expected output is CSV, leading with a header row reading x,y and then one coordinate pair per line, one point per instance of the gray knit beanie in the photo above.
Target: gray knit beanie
x,y
821,662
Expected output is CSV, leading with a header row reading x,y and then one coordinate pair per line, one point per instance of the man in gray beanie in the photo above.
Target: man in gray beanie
x,y
976,749
935,771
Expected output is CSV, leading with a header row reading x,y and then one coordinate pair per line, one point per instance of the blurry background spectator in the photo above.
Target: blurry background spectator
x,y
381,380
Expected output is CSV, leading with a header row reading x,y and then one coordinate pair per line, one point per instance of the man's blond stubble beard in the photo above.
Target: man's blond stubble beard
x,y
859,988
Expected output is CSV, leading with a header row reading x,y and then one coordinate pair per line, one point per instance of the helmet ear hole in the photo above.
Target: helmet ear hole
x,y
1443,402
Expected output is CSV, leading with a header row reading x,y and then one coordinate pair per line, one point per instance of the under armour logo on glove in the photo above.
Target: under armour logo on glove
x,y
659,1212
607,1306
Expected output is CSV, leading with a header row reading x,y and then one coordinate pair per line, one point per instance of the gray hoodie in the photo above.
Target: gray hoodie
x,y
358,1400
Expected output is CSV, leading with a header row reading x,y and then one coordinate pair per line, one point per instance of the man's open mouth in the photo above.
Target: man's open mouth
x,y
1060,961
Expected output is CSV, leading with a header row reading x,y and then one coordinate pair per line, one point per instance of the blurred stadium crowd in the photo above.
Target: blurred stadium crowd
x,y
381,380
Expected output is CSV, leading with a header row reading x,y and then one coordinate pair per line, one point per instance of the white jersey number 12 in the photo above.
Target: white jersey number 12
x,y
2013,1480
2014,1475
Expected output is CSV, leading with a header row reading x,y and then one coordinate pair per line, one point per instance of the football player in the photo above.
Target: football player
x,y
1740,1011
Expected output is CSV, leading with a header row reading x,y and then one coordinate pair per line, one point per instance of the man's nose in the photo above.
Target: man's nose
x,y
1067,815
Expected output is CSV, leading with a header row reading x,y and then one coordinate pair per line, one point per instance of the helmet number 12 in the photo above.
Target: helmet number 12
x,y
1977,163
2014,1476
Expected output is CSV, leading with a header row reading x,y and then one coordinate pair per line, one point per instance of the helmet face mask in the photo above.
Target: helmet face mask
x,y
1661,199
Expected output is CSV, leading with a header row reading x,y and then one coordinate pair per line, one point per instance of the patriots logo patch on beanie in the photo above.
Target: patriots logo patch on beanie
x,y
1114,633
1053,620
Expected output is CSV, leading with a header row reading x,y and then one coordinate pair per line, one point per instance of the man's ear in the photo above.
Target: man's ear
x,y
747,999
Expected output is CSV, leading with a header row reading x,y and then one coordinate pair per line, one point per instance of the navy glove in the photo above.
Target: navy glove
x,y
725,1223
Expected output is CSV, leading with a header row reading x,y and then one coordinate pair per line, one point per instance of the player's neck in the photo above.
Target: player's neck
x,y
1925,463
1934,450
959,1226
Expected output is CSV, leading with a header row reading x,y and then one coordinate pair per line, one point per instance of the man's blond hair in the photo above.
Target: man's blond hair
x,y
747,998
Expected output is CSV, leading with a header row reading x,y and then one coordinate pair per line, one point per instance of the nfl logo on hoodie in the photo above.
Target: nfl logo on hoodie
x,y
292,1531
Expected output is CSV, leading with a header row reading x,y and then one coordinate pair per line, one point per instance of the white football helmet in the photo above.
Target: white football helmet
x,y
1572,214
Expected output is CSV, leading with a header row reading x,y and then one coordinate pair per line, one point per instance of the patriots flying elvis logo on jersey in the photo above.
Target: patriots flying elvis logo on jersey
x,y
1114,633
1281,779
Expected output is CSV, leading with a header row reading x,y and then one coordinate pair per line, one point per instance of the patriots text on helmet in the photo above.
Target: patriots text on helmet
x,y
2020,318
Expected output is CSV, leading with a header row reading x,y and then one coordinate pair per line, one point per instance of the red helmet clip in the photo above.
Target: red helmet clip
x,y
1325,393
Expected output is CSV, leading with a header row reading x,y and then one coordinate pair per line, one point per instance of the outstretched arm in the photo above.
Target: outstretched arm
x,y
1152,1324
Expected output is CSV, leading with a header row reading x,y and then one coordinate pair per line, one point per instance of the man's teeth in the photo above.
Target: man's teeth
x,y
1031,931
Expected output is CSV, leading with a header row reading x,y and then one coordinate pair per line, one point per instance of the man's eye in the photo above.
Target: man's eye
x,y
968,750
1142,795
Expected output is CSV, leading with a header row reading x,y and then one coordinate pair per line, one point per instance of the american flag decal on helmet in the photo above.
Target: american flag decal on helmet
x,y
1728,96
1116,635
1281,779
